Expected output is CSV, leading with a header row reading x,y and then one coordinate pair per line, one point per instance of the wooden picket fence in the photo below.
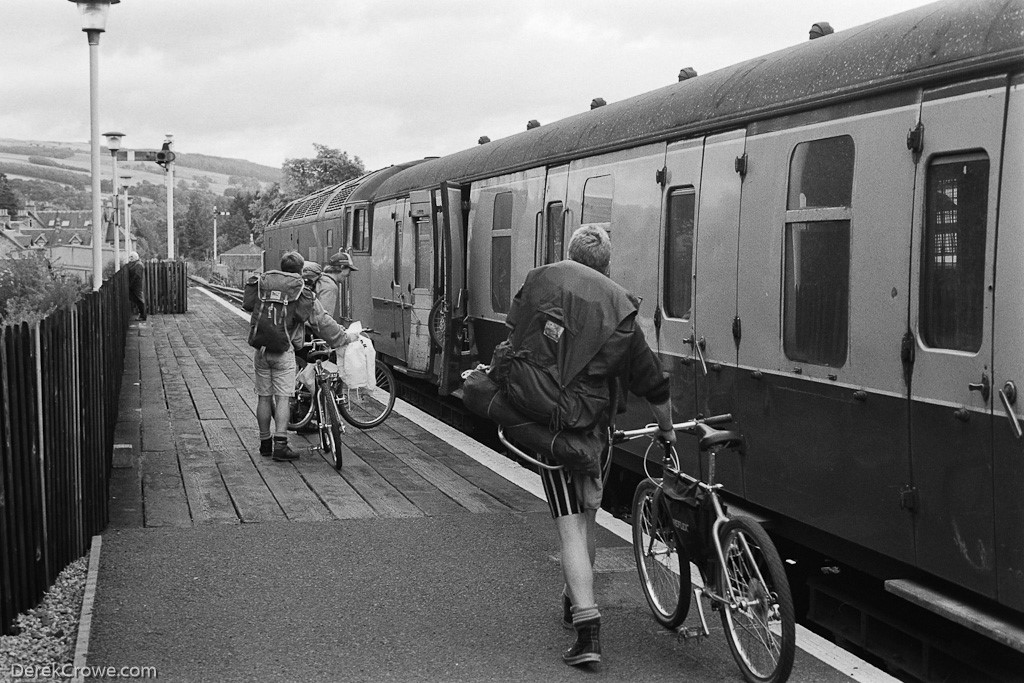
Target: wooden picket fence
x,y
166,286
60,383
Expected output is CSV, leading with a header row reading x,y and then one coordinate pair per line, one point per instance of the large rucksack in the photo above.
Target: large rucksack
x,y
272,297
562,316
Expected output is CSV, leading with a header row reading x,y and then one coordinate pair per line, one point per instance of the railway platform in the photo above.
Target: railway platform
x,y
428,557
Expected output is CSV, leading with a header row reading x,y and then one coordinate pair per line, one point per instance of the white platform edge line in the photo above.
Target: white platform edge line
x,y
88,600
806,640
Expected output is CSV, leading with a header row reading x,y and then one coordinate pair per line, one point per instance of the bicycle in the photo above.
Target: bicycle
x,y
678,519
362,407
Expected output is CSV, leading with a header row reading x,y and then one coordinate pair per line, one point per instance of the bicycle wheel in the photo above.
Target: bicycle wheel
x,y
330,428
368,407
760,628
663,565
437,321
301,407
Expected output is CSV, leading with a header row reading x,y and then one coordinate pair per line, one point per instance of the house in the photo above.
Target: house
x,y
237,264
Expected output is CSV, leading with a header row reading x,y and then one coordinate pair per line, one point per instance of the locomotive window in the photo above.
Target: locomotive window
x,y
679,252
501,252
953,263
549,235
597,200
424,254
361,232
330,239
817,292
821,174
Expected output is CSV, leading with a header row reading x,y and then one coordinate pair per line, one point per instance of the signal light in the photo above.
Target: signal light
x,y
164,157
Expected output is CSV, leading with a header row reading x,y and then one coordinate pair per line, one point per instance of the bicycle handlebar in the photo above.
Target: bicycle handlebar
x,y
700,427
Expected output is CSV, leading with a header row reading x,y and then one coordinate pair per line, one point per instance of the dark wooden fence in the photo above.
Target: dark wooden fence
x,y
60,383
166,286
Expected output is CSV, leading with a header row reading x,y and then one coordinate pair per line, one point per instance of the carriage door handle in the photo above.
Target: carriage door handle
x,y
983,386
1008,395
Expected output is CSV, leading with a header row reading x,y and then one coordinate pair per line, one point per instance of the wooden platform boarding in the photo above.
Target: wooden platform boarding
x,y
187,444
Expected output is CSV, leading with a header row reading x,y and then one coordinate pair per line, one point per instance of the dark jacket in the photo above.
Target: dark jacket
x,y
580,326
136,277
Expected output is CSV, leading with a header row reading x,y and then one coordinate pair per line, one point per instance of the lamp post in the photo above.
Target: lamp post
x,y
114,144
169,174
126,181
94,22
215,214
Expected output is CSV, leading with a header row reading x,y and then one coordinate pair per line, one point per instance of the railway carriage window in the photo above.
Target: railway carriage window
x,y
821,174
330,239
360,232
501,253
679,252
953,263
597,201
816,278
552,241
424,254
398,253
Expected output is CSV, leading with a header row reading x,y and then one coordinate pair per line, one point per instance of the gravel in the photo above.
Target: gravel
x,y
46,634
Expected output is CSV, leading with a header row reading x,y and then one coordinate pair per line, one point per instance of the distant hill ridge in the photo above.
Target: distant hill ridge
x,y
199,162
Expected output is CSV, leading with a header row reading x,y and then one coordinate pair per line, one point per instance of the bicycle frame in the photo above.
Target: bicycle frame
x,y
725,595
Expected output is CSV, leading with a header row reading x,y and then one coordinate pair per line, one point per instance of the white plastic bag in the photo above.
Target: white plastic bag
x,y
360,357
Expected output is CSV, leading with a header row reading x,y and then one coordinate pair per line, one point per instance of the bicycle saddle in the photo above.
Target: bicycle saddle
x,y
709,436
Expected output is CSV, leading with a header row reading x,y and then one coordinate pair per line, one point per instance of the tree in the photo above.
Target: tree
x,y
329,167
10,199
195,228
263,206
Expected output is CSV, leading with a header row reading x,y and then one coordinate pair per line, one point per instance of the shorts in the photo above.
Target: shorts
x,y
275,373
570,493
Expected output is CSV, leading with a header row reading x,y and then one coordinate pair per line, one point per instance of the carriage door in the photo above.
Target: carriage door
x,y
1008,384
951,318
421,284
400,292
449,309
673,319
549,234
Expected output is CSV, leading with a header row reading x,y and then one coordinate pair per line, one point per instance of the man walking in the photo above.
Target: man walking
x,y
573,310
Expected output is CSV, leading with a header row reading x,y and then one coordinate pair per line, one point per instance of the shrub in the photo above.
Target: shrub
x,y
31,289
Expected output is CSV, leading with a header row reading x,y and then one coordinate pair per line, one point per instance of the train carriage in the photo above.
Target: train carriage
x,y
833,231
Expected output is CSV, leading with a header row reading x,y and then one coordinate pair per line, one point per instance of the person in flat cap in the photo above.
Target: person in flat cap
x,y
137,284
338,268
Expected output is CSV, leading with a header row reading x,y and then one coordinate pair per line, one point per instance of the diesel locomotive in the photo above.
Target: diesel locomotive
x,y
828,244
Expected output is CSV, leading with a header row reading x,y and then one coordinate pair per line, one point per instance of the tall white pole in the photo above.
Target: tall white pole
x,y
214,237
127,222
115,186
94,120
170,209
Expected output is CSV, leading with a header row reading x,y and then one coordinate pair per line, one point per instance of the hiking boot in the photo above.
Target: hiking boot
x,y
566,612
283,452
266,447
587,648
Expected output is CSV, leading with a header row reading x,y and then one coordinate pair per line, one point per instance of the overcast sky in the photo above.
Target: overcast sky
x,y
387,81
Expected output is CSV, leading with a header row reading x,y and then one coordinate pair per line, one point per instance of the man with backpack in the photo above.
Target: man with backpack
x,y
574,343
281,305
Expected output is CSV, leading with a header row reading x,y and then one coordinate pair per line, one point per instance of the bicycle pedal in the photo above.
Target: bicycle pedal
x,y
690,632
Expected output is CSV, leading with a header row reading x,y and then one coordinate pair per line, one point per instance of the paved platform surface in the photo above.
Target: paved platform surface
x,y
415,563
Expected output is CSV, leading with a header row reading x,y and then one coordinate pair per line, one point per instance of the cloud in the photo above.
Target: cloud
x,y
387,81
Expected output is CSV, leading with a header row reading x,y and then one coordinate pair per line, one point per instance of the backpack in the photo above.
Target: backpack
x,y
561,319
272,298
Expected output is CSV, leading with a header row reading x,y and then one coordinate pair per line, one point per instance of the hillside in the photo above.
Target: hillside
x,y
68,163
